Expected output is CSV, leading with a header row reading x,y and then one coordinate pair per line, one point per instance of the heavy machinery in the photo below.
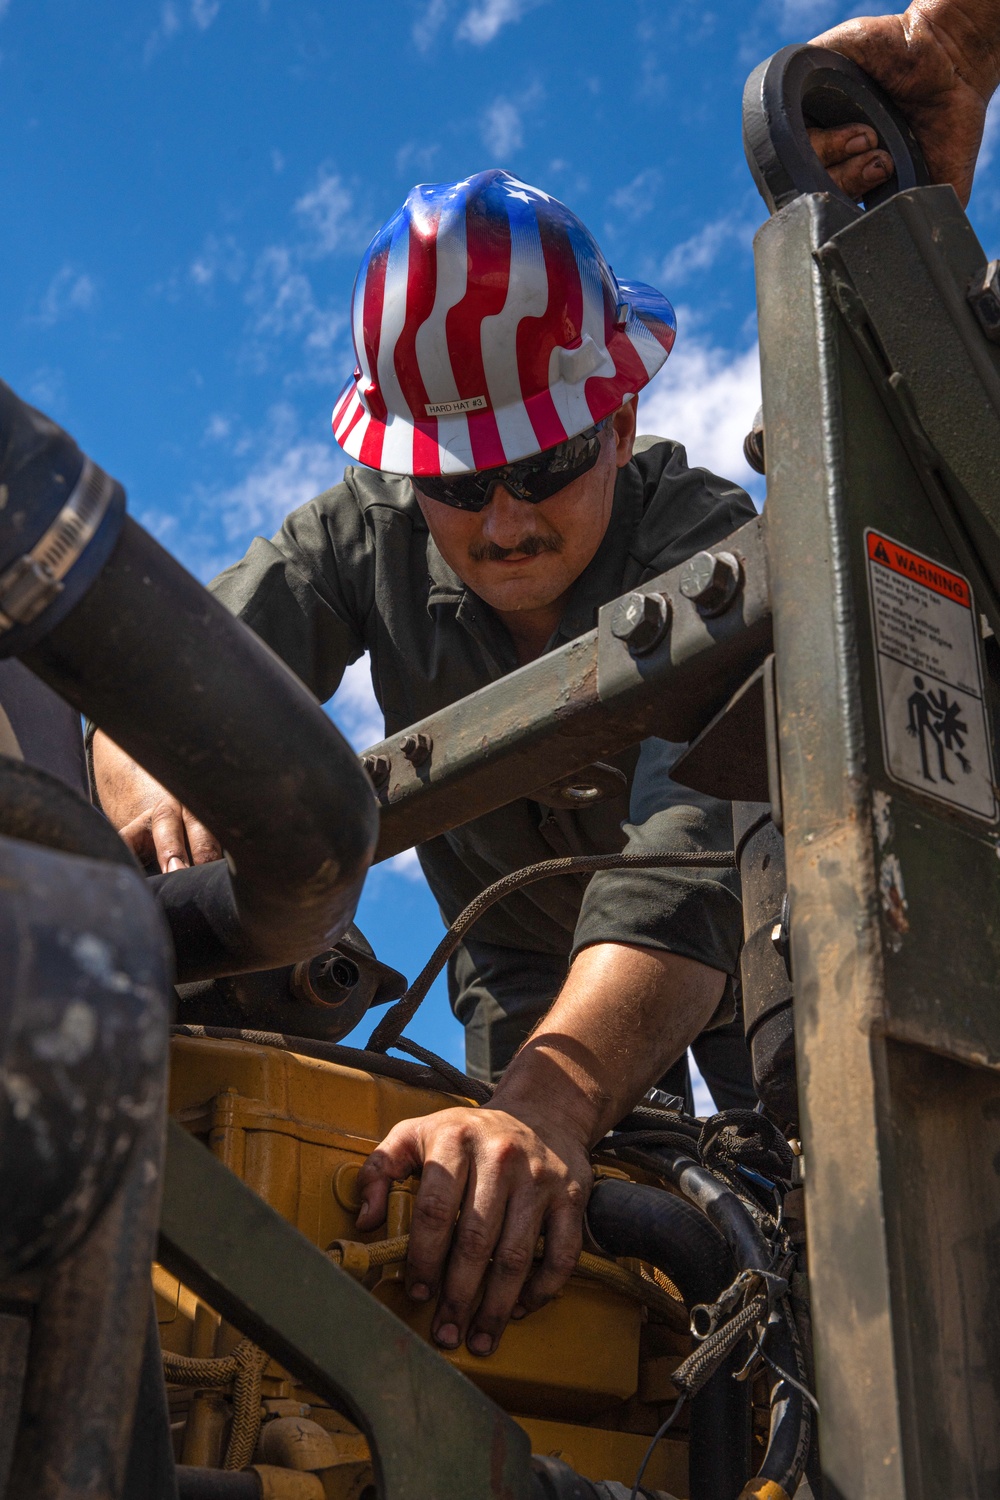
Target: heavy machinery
x,y
834,670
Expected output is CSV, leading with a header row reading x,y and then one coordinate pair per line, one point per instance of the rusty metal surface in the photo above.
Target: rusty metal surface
x,y
585,702
835,943
895,970
432,1433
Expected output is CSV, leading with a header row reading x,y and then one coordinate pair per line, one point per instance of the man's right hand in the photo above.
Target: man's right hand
x,y
152,822
940,63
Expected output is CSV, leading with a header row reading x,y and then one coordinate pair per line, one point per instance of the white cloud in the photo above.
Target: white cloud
x,y
486,18
285,305
355,711
70,291
702,249
806,17
633,200
204,12
288,471
328,212
502,128
502,122
201,13
429,23
46,386
219,258
706,398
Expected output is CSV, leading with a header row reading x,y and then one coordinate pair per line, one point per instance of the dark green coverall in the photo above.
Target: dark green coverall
x,y
356,570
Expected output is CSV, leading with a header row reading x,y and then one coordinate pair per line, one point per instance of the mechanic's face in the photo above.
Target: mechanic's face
x,y
519,556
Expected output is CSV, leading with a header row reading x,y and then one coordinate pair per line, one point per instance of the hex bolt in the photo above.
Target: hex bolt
x,y
417,748
711,580
641,621
378,768
984,299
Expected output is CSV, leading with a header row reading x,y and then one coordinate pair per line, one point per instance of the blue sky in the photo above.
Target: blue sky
x,y
188,186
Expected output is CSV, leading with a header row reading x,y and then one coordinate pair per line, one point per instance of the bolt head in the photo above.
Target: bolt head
x,y
378,768
711,581
417,748
984,299
640,621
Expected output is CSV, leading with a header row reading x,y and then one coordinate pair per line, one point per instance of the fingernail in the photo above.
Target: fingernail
x,y
419,1292
858,143
175,863
481,1343
876,171
519,1313
447,1336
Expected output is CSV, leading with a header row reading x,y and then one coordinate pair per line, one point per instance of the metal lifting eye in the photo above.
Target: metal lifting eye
x,y
800,83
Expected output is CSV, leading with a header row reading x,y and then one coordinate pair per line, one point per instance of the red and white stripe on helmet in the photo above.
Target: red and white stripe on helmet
x,y
488,326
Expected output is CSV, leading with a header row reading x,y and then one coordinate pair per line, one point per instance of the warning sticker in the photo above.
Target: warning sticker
x,y
934,730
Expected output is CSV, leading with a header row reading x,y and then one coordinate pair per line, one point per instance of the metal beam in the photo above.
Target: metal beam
x,y
433,1435
897,1026
588,700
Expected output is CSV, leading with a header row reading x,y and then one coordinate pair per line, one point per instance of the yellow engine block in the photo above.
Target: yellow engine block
x,y
587,1377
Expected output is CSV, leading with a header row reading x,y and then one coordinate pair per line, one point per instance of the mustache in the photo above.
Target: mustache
x,y
531,546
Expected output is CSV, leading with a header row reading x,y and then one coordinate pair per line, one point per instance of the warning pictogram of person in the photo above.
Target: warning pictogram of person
x,y
934,721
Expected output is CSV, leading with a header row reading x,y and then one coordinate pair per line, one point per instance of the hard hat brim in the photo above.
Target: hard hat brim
x,y
590,383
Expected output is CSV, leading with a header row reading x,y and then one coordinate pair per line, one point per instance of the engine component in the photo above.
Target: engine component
x,y
322,998
101,613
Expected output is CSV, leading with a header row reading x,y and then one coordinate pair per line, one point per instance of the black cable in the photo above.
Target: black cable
x,y
390,1028
661,1431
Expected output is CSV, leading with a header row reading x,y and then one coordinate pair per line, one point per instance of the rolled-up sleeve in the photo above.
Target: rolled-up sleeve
x,y
695,913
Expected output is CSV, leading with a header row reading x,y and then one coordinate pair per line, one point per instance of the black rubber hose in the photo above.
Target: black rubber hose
x,y
791,1417
207,709
626,1218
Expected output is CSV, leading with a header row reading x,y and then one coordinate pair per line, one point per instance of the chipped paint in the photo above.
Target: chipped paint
x,y
882,816
72,1040
893,893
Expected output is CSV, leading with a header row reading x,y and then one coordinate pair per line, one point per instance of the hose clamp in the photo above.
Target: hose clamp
x,y
30,584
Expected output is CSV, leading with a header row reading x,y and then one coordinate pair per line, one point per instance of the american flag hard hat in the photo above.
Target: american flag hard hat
x,y
488,326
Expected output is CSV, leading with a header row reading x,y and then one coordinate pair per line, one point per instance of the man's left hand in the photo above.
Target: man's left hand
x,y
505,1182
851,155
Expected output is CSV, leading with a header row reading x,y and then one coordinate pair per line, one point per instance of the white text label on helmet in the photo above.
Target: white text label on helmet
x,y
452,408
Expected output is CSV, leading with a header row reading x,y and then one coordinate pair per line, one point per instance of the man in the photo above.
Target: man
x,y
454,579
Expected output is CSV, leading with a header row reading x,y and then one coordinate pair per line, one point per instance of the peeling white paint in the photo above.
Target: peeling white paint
x,y
882,816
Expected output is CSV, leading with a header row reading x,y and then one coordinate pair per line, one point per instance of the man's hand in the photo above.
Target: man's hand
x,y
939,62
504,1185
850,155
493,1179
152,822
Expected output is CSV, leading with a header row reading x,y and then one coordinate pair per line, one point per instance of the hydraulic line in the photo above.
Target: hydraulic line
x,y
106,617
239,1372
358,1258
392,1024
628,1218
791,1415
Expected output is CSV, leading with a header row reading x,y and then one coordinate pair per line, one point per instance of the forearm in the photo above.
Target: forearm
x,y
151,821
124,789
624,1015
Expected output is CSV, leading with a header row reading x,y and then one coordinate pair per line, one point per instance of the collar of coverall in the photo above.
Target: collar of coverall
x,y
599,581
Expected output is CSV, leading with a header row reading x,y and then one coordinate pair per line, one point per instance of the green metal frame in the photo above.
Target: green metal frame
x,y
433,1435
881,410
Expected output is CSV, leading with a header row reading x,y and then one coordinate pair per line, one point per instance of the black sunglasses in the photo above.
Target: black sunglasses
x,y
532,479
